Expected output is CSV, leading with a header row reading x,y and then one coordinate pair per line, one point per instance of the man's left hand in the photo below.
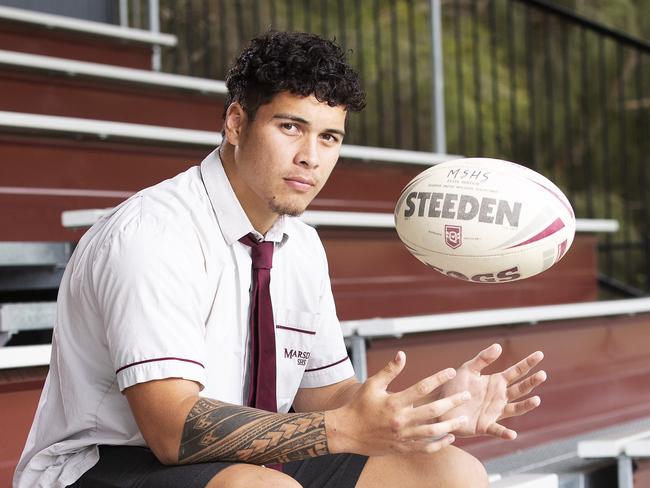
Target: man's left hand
x,y
496,396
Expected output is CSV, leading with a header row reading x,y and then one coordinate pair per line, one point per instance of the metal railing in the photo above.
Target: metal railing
x,y
388,41
523,80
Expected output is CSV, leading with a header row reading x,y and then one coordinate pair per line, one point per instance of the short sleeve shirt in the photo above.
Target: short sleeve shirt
x,y
160,288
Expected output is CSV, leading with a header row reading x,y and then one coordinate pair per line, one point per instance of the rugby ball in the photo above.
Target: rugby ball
x,y
485,220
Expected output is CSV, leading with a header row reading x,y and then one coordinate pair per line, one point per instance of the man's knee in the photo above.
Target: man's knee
x,y
462,469
451,467
251,476
448,468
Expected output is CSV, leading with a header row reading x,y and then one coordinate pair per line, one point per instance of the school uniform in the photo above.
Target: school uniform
x,y
160,288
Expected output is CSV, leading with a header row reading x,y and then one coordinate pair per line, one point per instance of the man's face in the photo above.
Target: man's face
x,y
284,156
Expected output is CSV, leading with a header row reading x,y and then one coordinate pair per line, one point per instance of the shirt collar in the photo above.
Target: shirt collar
x,y
232,219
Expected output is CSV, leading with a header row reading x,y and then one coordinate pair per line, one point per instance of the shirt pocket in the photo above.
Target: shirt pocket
x,y
295,333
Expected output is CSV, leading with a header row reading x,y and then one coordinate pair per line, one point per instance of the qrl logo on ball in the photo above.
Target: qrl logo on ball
x,y
453,236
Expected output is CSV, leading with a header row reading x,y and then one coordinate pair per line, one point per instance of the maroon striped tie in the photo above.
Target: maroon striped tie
x,y
262,328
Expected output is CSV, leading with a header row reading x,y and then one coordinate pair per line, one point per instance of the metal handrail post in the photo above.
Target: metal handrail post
x,y
154,26
359,359
124,13
437,81
625,473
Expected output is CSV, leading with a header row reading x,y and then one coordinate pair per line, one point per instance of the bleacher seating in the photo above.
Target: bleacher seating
x,y
51,21
54,35
99,156
71,68
30,272
621,449
561,456
34,253
19,317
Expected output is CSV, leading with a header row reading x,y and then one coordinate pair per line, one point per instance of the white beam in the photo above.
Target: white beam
x,y
609,447
105,129
15,317
638,449
25,356
381,154
348,219
398,326
72,67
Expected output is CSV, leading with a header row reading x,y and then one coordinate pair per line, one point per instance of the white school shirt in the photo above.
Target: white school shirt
x,y
159,289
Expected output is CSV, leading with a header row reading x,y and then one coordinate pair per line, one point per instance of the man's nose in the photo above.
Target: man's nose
x,y
308,153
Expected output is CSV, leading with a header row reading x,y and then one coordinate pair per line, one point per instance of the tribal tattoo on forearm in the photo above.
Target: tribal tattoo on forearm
x,y
218,431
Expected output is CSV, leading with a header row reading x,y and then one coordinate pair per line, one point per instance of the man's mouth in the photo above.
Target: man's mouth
x,y
300,183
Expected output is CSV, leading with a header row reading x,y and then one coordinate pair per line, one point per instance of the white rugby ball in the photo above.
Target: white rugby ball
x,y
485,220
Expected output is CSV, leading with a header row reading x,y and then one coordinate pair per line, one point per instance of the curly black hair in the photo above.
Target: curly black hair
x,y
296,62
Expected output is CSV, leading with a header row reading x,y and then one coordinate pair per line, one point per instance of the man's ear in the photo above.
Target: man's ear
x,y
234,123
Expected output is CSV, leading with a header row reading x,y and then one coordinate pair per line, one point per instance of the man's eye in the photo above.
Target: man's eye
x,y
329,138
289,126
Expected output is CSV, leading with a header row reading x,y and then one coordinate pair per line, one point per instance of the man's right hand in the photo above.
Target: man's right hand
x,y
376,422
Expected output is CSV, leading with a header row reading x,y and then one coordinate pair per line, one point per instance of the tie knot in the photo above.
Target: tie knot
x,y
261,252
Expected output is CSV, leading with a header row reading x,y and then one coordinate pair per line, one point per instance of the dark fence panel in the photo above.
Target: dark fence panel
x,y
388,42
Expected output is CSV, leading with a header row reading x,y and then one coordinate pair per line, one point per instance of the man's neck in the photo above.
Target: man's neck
x,y
261,221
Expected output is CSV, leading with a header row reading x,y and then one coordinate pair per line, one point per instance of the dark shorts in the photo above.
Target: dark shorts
x,y
137,467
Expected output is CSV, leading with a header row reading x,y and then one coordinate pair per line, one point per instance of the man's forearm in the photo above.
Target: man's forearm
x,y
218,431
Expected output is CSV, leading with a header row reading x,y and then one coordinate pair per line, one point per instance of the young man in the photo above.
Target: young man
x,y
162,371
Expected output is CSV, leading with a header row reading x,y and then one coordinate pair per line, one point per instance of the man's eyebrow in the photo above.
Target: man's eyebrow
x,y
295,118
